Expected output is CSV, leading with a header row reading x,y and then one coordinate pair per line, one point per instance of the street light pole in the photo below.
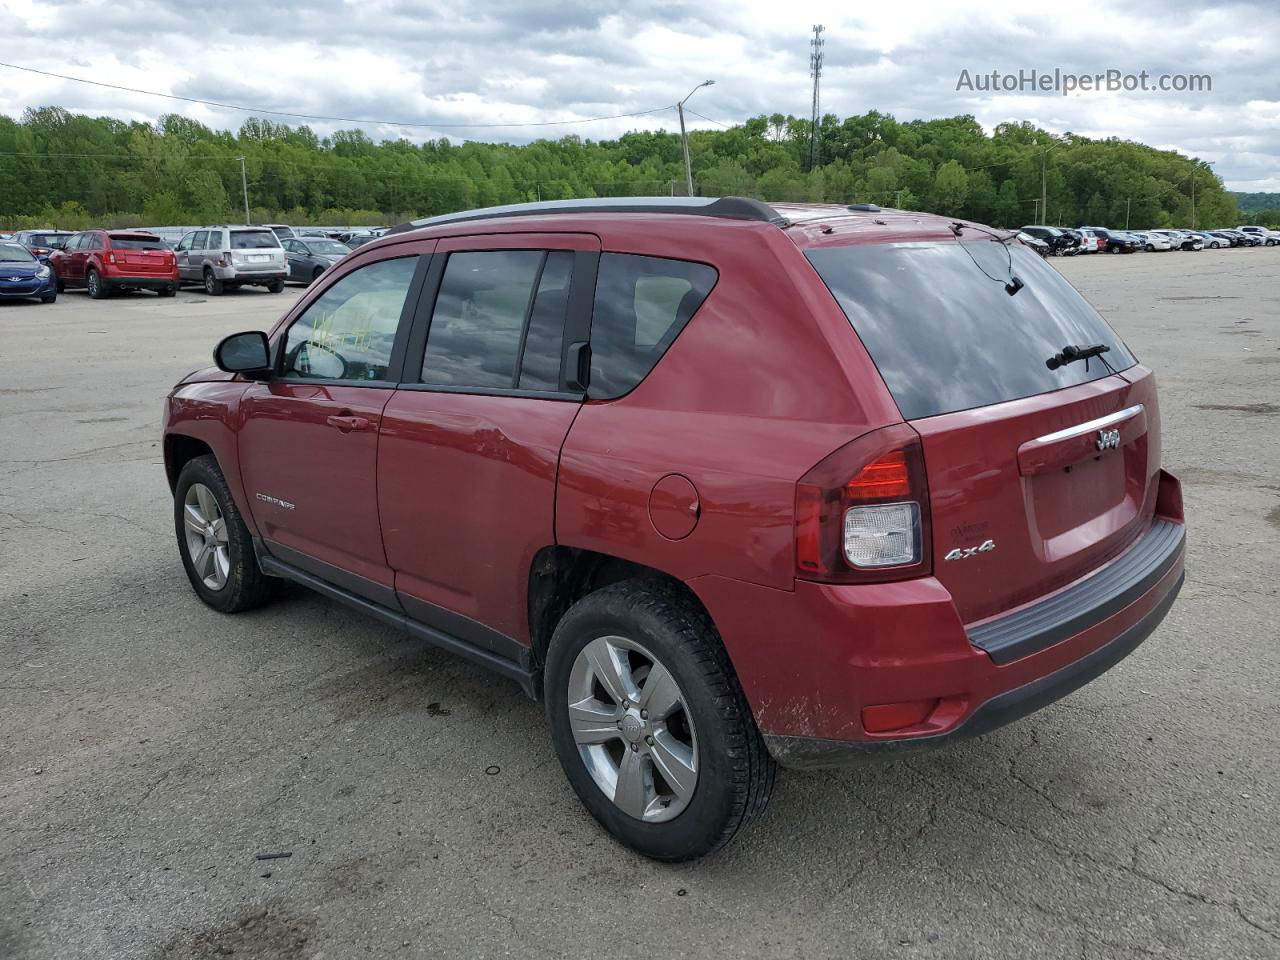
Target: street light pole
x,y
684,137
244,183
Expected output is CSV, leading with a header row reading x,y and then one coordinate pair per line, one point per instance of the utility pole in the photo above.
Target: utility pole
x,y
1044,189
815,71
684,137
1127,201
1193,200
1035,217
244,183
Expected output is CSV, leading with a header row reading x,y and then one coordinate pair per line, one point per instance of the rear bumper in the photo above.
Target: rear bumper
x,y
250,275
812,659
1004,708
149,282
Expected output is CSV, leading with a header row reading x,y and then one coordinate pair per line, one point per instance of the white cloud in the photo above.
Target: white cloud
x,y
496,61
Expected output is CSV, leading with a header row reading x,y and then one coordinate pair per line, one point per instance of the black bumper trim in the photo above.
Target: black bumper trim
x,y
812,752
1086,603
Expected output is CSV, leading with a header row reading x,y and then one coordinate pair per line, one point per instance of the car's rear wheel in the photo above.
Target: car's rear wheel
x,y
212,285
316,274
276,286
94,284
650,724
215,544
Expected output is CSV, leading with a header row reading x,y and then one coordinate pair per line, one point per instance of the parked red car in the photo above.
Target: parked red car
x,y
103,261
728,485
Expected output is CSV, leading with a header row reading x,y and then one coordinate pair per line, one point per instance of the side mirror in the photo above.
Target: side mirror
x,y
247,353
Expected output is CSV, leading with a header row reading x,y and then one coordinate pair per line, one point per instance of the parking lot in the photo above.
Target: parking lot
x,y
153,749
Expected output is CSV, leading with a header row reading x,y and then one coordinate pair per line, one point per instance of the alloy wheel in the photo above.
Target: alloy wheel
x,y
206,533
633,729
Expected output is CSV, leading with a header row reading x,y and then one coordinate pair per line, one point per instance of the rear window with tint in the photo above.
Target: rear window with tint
x,y
642,304
124,241
253,239
946,337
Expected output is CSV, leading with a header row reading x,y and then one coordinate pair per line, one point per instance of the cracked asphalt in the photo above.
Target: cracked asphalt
x,y
151,749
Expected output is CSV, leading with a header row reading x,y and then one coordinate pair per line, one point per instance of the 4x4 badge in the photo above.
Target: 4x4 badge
x,y
1108,439
960,553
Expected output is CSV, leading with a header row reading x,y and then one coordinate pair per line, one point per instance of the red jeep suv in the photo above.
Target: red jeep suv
x,y
728,485
103,261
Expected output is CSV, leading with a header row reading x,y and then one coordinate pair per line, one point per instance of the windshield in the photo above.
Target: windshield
x,y
253,239
328,247
946,337
14,253
48,239
124,241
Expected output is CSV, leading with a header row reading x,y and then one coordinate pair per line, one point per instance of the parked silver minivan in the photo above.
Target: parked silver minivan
x,y
225,257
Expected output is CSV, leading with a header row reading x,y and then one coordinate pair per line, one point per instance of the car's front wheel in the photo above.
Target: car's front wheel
x,y
215,544
650,724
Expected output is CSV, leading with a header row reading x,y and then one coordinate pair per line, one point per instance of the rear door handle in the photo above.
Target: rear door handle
x,y
347,423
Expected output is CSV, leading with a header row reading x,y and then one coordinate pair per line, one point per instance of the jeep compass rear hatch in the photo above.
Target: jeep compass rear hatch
x,y
1040,466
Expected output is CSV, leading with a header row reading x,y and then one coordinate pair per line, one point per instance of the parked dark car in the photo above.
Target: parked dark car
x,y
104,261
1035,243
1118,241
23,275
1061,243
43,242
311,256
727,485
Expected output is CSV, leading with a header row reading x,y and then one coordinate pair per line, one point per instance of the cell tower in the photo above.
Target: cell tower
x,y
815,71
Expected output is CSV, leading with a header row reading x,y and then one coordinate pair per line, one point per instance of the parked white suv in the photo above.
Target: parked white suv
x,y
225,257
1270,238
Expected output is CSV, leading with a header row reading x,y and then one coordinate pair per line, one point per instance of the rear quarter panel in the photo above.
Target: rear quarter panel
x,y
758,388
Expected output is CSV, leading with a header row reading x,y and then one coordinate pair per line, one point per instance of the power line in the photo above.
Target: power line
x,y
727,126
312,116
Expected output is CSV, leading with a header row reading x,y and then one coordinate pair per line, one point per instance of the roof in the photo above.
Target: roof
x,y
807,218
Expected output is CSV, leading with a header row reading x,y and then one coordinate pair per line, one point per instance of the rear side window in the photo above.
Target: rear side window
x,y
946,337
641,305
349,331
253,239
499,312
124,241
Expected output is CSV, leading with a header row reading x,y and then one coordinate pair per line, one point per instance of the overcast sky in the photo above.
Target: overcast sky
x,y
492,61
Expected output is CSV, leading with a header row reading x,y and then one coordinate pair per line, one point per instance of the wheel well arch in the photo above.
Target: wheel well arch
x,y
560,576
179,450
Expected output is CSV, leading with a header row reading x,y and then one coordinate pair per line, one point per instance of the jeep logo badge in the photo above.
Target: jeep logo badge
x,y
1108,439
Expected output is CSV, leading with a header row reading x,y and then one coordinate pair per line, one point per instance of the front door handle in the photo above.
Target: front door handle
x,y
347,423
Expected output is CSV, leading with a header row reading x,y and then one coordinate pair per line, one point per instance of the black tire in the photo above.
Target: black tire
x,y
212,285
1150,248
276,286
94,283
58,283
246,586
316,274
168,291
51,298
736,774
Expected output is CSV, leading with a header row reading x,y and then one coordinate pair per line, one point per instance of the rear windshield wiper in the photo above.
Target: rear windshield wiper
x,y
1073,352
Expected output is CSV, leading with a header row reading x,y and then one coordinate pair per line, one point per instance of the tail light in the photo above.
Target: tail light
x,y
111,258
862,514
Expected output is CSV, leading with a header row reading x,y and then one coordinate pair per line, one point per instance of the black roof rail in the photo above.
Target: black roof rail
x,y
731,208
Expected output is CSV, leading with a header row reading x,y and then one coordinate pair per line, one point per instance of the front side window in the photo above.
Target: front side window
x,y
642,304
493,307
349,331
185,243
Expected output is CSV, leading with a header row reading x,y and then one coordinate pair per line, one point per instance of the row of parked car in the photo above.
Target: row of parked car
x,y
40,264
1066,242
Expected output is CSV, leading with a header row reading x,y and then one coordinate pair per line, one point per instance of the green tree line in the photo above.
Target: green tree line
x,y
73,171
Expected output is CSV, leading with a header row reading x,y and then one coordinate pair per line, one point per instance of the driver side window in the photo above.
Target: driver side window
x,y
348,332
